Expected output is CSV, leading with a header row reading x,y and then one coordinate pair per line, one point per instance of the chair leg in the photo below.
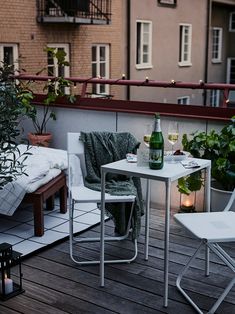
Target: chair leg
x,y
231,264
73,240
180,276
214,247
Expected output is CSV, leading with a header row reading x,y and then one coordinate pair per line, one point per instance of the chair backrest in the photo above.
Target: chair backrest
x,y
230,202
76,147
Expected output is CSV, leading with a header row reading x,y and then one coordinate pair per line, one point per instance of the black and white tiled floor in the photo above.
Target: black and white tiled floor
x,y
18,230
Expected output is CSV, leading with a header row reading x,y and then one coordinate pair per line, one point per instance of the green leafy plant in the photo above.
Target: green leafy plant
x,y
192,182
54,88
219,147
11,111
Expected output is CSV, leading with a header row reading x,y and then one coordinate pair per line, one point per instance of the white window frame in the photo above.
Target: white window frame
x,y
214,98
185,32
217,36
232,22
65,47
98,62
229,62
145,40
15,54
183,100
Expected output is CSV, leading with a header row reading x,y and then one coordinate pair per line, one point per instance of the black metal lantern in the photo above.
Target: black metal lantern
x,y
9,259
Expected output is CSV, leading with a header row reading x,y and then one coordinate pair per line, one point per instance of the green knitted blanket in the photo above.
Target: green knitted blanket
x,y
105,147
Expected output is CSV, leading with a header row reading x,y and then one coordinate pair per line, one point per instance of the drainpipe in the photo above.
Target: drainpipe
x,y
208,24
128,39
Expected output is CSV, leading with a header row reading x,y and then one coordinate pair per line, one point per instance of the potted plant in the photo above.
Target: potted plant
x,y
219,147
11,110
54,89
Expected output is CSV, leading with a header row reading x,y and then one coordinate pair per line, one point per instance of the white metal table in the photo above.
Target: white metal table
x,y
168,174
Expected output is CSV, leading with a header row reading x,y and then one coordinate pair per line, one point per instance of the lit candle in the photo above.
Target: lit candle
x,y
8,283
187,202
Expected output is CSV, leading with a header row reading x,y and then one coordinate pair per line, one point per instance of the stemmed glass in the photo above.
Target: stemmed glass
x,y
147,134
173,135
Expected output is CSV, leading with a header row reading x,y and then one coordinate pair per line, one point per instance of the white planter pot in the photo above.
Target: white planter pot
x,y
219,199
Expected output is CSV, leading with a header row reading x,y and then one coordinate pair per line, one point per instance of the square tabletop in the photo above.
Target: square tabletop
x,y
169,172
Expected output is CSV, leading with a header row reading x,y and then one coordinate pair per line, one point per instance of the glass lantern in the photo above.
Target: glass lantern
x,y
9,259
187,202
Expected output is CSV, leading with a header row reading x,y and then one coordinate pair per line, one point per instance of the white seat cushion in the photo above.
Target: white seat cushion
x,y
213,226
85,195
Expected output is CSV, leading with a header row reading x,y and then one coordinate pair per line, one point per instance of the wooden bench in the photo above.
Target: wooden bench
x,y
46,194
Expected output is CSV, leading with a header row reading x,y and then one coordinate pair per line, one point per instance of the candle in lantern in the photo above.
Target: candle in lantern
x,y
8,283
187,202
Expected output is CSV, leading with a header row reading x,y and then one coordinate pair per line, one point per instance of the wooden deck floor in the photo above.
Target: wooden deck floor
x,y
54,284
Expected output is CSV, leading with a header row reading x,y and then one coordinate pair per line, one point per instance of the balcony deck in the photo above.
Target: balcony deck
x,y
53,284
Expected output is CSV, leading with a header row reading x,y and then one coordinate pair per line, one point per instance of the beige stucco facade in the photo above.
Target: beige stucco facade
x,y
202,15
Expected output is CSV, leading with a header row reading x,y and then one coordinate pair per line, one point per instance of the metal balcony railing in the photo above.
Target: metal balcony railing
x,y
85,102
74,11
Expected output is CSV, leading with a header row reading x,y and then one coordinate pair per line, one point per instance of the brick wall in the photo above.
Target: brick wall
x,y
18,24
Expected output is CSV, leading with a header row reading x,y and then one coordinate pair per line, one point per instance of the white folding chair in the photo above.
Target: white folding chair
x,y
78,193
212,228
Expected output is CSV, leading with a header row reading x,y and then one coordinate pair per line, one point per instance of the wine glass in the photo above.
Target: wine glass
x,y
147,134
173,135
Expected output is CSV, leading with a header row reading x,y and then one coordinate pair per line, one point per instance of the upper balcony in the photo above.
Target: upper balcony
x,y
74,11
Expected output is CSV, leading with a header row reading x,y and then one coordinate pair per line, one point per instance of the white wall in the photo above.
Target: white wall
x,y
72,120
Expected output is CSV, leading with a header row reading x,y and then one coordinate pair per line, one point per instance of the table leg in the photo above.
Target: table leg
x,y
102,215
147,219
207,202
166,242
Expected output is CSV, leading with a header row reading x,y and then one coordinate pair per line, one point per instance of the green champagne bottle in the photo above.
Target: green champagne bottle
x,y
156,146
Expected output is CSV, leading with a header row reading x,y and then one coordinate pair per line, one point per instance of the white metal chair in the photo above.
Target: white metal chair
x,y
212,228
78,193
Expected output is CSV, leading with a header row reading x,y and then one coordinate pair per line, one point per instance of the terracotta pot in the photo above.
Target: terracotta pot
x,y
40,139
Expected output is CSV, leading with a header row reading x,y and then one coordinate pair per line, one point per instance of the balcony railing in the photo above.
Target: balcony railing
x,y
74,11
85,102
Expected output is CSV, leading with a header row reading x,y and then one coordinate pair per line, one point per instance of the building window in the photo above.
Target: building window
x,y
53,69
185,45
184,100
216,44
100,67
143,44
9,54
232,22
214,98
231,71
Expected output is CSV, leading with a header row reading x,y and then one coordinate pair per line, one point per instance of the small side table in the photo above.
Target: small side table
x,y
46,194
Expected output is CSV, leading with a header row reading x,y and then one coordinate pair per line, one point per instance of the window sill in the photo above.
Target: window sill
x,y
216,61
185,64
143,66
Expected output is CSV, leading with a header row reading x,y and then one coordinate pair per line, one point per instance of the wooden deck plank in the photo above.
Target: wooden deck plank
x,y
54,284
